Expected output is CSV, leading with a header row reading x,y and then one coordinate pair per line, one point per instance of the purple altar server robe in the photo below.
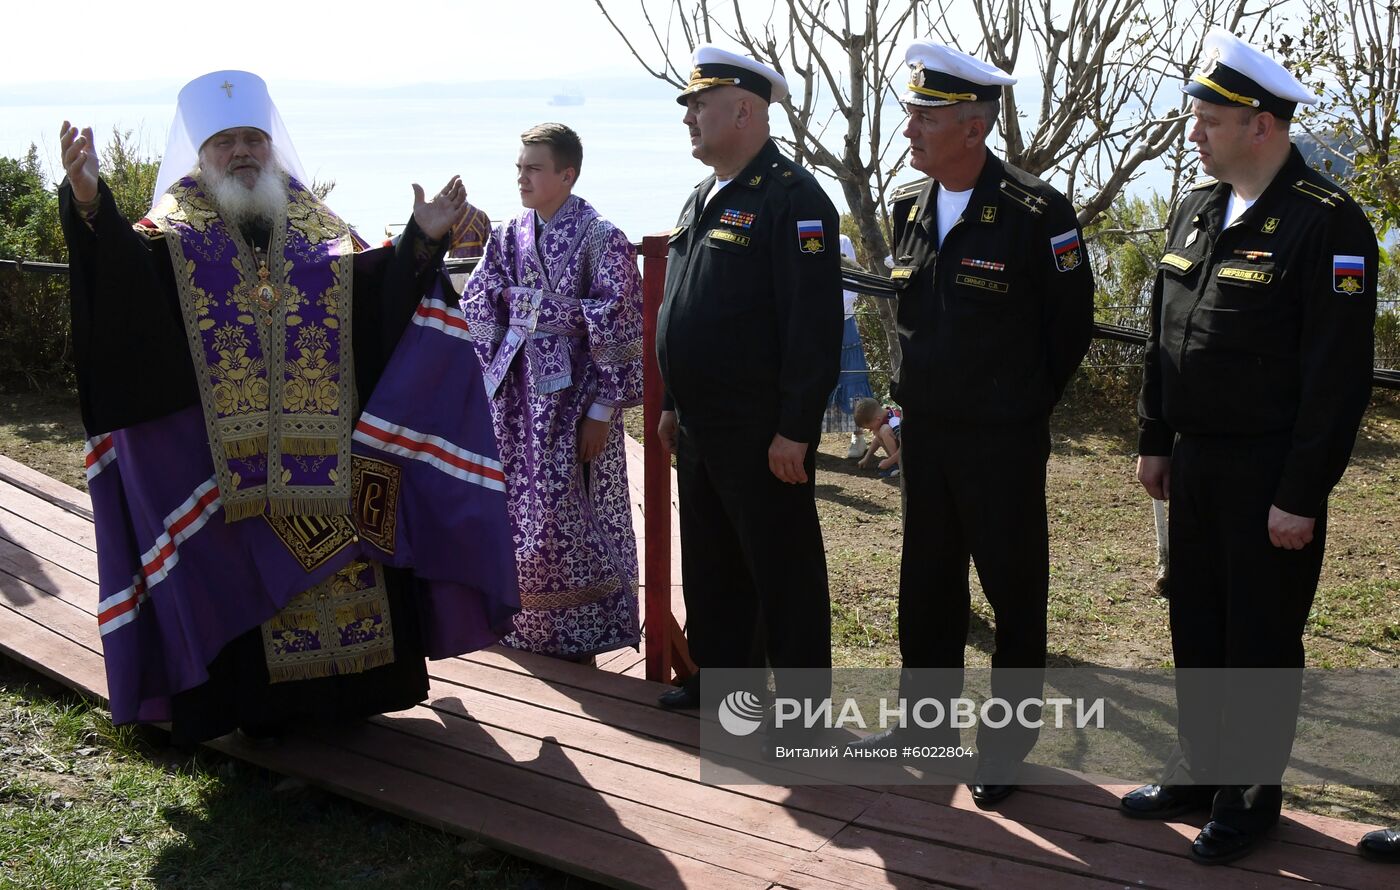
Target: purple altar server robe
x,y
555,313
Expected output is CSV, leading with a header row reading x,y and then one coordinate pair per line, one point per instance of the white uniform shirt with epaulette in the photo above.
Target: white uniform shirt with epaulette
x,y
1264,326
994,322
749,332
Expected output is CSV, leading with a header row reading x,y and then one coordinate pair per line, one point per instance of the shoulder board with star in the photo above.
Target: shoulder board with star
x,y
1023,196
788,172
1319,192
908,190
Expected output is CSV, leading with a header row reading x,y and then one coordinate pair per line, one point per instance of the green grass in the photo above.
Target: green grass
x,y
85,806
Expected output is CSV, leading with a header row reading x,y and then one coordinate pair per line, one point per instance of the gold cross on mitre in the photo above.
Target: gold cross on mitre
x,y
227,88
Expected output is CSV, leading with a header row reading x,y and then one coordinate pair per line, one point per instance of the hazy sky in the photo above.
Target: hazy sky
x,y
408,41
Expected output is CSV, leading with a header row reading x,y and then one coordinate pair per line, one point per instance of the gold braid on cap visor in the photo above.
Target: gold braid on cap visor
x,y
711,82
939,94
1233,97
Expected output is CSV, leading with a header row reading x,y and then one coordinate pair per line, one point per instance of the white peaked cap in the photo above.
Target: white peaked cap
x,y
212,103
714,66
1235,73
941,75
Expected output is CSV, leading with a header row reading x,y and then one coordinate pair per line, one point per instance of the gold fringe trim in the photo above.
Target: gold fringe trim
x,y
244,509
346,664
310,445
309,505
235,448
291,619
366,610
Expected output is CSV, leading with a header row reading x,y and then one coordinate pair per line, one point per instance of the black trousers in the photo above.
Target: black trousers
x,y
752,560
975,494
1237,602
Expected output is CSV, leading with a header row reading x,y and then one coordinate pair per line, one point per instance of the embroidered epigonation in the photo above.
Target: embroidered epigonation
x,y
313,539
989,265
739,218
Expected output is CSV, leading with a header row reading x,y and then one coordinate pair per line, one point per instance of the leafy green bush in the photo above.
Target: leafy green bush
x,y
34,338
35,342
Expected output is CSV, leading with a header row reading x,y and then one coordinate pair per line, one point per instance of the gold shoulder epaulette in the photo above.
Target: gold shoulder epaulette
x,y
908,190
1319,193
1206,183
1023,196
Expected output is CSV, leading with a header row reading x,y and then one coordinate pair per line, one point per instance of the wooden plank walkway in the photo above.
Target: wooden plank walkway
x,y
576,768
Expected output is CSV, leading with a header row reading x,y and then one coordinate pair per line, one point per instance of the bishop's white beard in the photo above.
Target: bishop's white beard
x,y
238,204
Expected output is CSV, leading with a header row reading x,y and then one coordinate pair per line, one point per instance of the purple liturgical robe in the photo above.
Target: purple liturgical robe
x,y
556,317
232,596
427,480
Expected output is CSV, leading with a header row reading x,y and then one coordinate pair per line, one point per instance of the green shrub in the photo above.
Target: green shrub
x,y
35,341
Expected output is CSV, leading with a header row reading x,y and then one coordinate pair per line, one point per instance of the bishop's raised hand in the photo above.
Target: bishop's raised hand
x,y
79,162
436,217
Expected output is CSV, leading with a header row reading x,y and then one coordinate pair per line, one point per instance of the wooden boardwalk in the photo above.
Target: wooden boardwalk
x,y
576,768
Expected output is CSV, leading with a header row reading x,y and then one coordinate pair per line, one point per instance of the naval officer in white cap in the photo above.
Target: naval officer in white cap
x,y
995,312
749,344
1257,371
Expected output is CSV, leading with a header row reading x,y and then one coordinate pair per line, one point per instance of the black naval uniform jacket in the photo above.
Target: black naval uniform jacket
x,y
993,325
749,333
1265,328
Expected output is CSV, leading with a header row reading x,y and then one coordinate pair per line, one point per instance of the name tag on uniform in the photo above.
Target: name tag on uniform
x,y
1178,262
902,273
731,237
990,284
1249,276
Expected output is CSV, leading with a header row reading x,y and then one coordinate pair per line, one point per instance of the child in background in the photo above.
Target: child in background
x,y
883,424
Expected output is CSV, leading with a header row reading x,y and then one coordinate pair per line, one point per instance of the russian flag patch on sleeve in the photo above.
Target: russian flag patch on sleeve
x,y
1348,274
811,237
1066,249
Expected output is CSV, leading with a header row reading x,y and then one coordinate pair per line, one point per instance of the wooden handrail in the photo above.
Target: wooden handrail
x,y
656,485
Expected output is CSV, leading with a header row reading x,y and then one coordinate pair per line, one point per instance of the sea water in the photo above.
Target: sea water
x,y
637,167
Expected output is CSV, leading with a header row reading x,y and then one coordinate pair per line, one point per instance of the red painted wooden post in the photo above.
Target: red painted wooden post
x,y
656,488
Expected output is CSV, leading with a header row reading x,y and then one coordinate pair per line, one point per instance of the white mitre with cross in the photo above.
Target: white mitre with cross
x,y
212,103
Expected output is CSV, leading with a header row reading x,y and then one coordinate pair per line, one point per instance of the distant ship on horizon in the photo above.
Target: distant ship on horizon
x,y
570,97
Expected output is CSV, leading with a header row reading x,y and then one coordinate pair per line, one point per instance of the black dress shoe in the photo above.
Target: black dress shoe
x,y
261,735
1165,801
986,794
1218,843
1381,845
993,781
682,698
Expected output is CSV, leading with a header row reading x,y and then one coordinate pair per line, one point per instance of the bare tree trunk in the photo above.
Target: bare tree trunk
x,y
872,237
